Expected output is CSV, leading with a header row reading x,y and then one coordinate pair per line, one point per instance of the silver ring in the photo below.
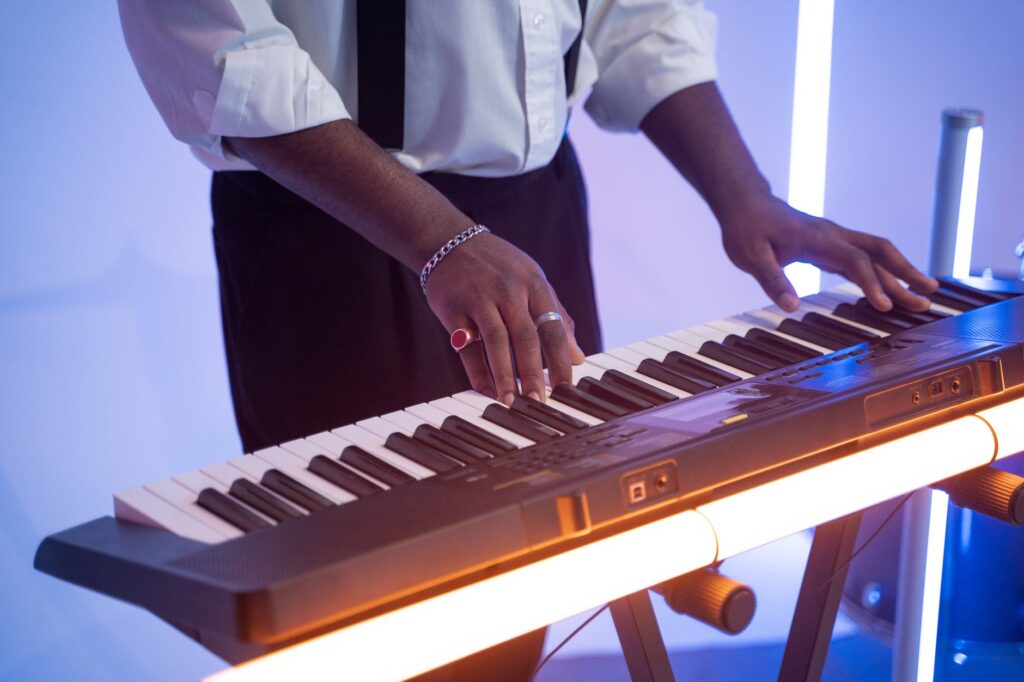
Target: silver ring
x,y
547,317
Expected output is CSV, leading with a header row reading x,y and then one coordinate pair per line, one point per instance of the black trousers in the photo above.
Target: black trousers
x,y
322,329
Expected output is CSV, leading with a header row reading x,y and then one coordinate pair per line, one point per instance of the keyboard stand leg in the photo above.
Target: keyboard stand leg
x,y
640,638
818,603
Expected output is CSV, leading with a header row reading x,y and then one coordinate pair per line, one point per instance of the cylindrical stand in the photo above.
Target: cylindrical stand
x,y
957,125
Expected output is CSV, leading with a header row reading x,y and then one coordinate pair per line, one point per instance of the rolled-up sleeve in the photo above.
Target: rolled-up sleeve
x,y
219,68
645,51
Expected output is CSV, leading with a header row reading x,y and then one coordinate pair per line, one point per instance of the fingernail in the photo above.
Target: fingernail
x,y
508,398
789,301
534,395
887,302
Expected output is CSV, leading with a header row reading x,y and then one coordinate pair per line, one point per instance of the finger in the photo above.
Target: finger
x,y
576,354
856,266
899,294
769,274
499,357
473,360
893,260
526,347
555,339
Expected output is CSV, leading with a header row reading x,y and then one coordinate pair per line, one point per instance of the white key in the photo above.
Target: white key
x,y
379,427
329,441
765,320
293,465
854,291
374,444
587,369
174,493
141,506
612,362
476,400
452,406
428,413
404,421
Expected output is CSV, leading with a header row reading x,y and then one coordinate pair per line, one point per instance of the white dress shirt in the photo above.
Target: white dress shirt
x,y
484,90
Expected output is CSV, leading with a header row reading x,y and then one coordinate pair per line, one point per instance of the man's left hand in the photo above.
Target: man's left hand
x,y
763,234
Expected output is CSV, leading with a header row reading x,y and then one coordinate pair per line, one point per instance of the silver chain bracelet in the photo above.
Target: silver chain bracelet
x,y
455,241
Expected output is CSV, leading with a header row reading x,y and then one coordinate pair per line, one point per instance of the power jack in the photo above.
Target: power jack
x,y
954,385
916,398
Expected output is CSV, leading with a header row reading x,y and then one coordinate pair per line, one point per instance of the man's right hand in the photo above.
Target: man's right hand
x,y
486,283
490,285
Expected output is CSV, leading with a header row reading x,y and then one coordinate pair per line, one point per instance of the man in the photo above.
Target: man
x,y
321,253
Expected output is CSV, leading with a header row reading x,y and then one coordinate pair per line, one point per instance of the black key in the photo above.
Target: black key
x,y
716,351
871,318
841,328
222,506
698,369
294,491
584,402
450,444
898,315
474,435
774,340
657,370
808,333
422,454
365,463
773,353
951,299
547,415
964,290
612,394
640,388
517,423
743,348
329,470
263,501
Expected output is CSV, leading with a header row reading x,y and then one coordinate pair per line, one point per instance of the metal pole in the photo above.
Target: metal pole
x,y
957,127
921,551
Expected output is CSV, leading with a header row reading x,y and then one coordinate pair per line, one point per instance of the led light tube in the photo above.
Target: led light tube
x,y
1007,421
968,204
809,498
808,144
425,635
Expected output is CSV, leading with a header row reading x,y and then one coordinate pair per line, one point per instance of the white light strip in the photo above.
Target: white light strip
x,y
430,633
931,590
968,204
809,135
809,498
1007,421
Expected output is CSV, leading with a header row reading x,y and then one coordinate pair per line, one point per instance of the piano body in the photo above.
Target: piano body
x,y
686,448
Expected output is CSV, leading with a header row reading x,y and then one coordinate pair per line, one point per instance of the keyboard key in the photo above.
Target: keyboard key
x,y
524,426
472,433
230,511
735,357
812,334
613,395
344,478
762,352
769,339
698,369
263,500
295,467
297,493
547,414
141,506
422,454
365,463
455,447
657,370
602,409
639,387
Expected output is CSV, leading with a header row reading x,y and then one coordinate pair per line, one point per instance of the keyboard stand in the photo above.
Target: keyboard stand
x,y
818,603
640,638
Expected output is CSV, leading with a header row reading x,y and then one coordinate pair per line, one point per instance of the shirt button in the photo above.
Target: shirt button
x,y
538,21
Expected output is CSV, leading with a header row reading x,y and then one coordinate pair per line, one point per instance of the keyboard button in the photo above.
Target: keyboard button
x,y
547,414
365,463
263,500
230,511
341,476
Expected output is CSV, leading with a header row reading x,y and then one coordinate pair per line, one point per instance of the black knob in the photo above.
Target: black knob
x,y
711,598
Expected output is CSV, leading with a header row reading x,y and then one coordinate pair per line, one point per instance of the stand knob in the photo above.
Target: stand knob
x,y
992,492
711,598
